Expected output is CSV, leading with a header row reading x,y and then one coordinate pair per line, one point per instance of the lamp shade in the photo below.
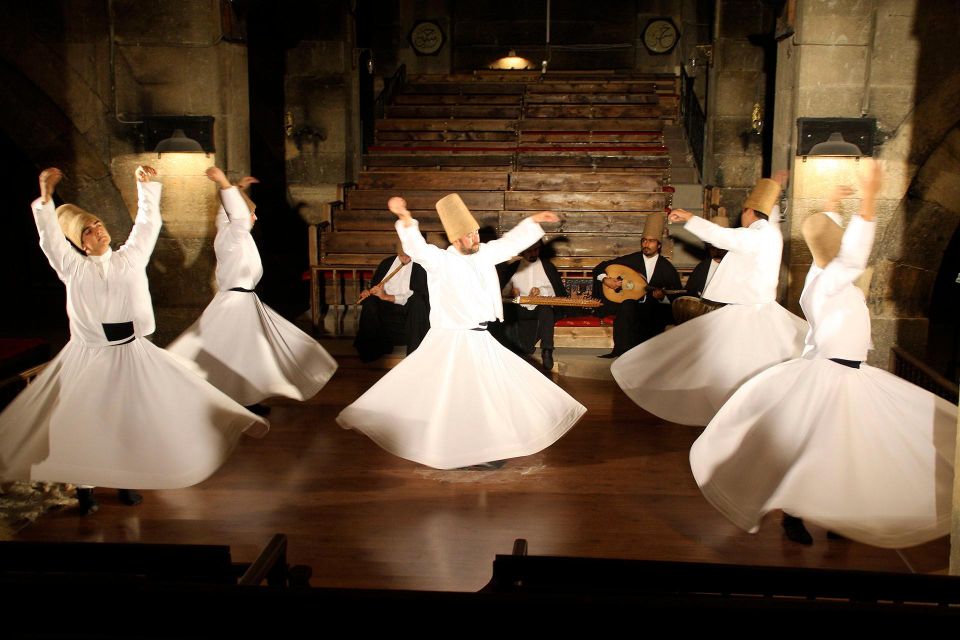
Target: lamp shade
x,y
835,145
179,143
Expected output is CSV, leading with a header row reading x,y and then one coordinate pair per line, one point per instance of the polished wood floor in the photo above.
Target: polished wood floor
x,y
618,485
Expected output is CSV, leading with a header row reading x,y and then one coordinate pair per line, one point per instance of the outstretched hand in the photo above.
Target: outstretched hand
x,y
836,194
217,175
246,181
49,179
545,216
871,178
143,174
398,206
679,215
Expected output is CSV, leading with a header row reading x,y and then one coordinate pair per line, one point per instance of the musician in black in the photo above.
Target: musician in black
x,y
395,312
524,324
640,320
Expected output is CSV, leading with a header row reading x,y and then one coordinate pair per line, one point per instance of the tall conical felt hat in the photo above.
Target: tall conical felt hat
x,y
653,227
763,196
456,218
822,233
73,220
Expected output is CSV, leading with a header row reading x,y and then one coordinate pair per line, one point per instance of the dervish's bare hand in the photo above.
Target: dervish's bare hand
x,y
679,215
246,181
545,216
49,179
144,174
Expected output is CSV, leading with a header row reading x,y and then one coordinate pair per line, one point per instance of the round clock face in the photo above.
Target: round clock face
x,y
660,36
426,38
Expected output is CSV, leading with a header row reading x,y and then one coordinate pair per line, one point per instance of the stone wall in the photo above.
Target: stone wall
x,y
73,101
892,60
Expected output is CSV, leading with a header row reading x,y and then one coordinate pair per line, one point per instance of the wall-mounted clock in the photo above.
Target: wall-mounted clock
x,y
660,35
426,38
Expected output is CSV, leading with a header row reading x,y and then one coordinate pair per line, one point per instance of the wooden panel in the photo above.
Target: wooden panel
x,y
377,199
437,180
363,242
593,98
589,201
464,88
350,259
585,222
448,136
582,181
453,111
595,162
428,98
470,124
593,87
589,137
588,245
362,220
583,337
593,111
425,160
591,124
444,145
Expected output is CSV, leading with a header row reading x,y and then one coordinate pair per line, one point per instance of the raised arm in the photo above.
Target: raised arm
x,y
742,239
519,238
857,242
60,254
426,255
146,226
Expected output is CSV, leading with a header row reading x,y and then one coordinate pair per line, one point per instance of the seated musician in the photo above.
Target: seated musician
x,y
395,312
641,319
524,324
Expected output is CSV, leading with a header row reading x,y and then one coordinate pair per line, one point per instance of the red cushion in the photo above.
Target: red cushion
x,y
608,320
578,321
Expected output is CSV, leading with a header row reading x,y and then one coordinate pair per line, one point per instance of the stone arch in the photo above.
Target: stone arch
x,y
923,164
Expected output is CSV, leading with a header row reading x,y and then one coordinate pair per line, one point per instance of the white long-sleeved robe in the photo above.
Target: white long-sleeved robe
x,y
121,412
242,346
461,398
686,374
856,450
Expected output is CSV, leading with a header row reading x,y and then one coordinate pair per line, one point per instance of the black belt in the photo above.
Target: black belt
x,y
241,290
114,331
482,327
853,364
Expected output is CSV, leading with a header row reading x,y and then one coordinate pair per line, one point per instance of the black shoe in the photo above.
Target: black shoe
x,y
795,530
547,356
485,466
129,497
609,355
258,409
834,536
88,504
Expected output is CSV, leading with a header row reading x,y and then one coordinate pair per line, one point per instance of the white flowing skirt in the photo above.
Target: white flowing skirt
x,y
686,374
858,451
462,399
251,353
130,416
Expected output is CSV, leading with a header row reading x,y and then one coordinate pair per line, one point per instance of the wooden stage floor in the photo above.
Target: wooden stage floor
x,y
618,485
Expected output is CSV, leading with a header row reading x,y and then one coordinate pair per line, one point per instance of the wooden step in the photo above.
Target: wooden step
x,y
436,180
616,125
592,98
470,111
586,222
435,124
382,220
367,242
457,99
582,181
596,247
608,111
589,137
584,160
464,88
628,201
387,137
376,199
459,160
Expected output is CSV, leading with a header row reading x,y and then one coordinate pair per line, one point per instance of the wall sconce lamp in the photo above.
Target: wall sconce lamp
x,y
178,134
835,137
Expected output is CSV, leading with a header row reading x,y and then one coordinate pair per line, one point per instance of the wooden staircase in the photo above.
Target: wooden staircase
x,y
590,146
